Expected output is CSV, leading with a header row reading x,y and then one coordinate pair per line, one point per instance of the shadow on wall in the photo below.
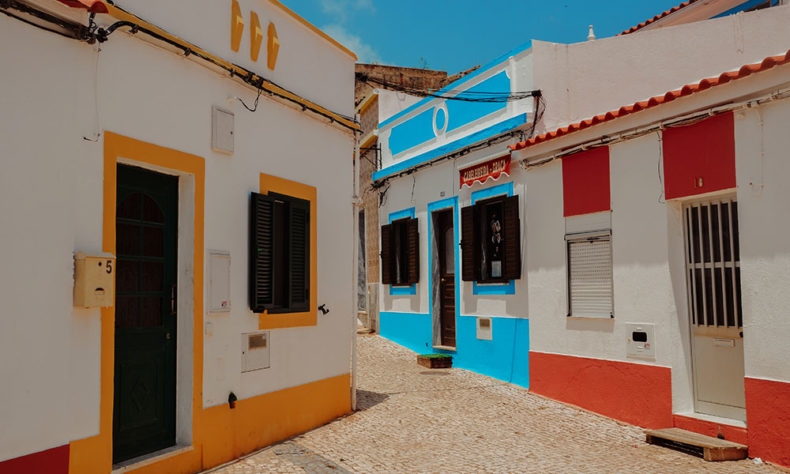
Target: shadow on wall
x,y
367,399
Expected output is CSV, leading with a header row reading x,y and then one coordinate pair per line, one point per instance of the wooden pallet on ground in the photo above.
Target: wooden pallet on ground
x,y
706,447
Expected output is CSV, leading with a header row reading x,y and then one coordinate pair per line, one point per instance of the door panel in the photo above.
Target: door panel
x,y
446,246
145,317
713,272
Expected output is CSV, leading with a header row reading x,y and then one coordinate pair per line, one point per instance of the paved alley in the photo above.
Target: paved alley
x,y
412,419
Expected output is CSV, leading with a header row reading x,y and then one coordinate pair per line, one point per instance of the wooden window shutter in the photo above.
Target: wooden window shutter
x,y
261,252
299,254
413,248
386,254
470,250
512,231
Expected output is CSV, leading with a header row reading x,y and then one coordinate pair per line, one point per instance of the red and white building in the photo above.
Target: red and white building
x,y
657,259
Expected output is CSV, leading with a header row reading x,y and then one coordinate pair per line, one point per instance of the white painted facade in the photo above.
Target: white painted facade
x,y
58,98
579,81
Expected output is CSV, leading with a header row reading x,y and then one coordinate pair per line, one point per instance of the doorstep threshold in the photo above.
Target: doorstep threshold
x,y
446,348
150,458
720,420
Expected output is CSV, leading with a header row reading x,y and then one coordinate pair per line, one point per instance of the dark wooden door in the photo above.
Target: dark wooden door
x,y
446,246
145,312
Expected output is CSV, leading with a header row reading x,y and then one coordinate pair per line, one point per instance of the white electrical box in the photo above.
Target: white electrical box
x,y
218,282
640,342
255,351
222,131
94,280
484,329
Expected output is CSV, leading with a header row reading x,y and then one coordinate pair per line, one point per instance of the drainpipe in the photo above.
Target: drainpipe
x,y
356,204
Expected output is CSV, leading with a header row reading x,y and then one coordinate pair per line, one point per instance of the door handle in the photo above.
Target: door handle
x,y
173,299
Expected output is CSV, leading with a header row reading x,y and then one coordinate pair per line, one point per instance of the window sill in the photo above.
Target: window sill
x,y
503,288
445,348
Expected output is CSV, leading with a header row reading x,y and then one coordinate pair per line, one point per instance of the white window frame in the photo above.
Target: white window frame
x,y
582,236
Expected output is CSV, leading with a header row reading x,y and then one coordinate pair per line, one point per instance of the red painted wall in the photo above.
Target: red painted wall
x,y
51,461
768,417
635,393
701,151
735,434
585,182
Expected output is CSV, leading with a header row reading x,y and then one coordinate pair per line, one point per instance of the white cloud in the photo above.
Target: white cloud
x,y
340,9
353,42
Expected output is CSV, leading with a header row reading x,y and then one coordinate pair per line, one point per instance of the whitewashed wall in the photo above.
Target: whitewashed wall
x,y
51,205
584,79
763,171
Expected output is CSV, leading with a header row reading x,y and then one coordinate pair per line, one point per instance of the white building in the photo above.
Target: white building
x,y
587,298
177,348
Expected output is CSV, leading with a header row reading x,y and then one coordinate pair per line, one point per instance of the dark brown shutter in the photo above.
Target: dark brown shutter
x,y
386,254
299,254
413,247
261,251
470,259
512,231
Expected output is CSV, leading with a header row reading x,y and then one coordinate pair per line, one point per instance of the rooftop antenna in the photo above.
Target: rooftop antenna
x,y
591,34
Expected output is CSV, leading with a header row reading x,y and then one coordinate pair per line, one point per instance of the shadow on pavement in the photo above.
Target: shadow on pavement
x,y
366,399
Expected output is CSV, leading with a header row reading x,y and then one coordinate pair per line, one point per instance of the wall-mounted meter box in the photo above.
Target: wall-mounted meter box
x,y
640,341
255,351
94,280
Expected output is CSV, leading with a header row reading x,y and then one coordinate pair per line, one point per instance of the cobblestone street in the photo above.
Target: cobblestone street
x,y
412,419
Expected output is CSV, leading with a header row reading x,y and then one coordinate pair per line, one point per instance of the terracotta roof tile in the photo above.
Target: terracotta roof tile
x,y
658,17
688,89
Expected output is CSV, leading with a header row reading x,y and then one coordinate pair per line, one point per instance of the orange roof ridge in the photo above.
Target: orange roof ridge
x,y
657,17
688,89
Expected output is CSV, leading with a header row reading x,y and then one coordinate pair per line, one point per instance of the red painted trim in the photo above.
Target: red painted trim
x,y
735,434
635,393
768,416
745,71
51,461
585,182
700,158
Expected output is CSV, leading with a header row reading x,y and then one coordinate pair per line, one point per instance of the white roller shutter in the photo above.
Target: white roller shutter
x,y
590,276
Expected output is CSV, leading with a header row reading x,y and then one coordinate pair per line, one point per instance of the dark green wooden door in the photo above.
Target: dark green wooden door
x,y
145,313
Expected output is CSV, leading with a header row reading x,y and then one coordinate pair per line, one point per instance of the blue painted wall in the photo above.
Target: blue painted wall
x,y
461,113
505,358
417,130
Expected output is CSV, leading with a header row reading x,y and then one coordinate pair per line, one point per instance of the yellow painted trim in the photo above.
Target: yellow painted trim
x,y
256,36
94,455
365,105
369,139
269,183
236,26
313,28
272,46
219,434
119,14
272,417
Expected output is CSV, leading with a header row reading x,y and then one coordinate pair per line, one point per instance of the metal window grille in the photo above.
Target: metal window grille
x,y
713,263
590,275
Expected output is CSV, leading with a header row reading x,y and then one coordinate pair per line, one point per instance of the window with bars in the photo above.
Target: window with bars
x,y
713,264
400,252
279,253
491,240
590,293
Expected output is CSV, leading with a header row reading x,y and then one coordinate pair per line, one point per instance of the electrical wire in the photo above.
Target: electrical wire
x,y
503,137
92,34
29,11
459,95
255,104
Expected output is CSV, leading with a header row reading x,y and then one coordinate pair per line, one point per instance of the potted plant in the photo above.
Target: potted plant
x,y
435,361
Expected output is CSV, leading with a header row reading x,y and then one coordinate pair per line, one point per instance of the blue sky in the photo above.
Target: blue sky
x,y
454,35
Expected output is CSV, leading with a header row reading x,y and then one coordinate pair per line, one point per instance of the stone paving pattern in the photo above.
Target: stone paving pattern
x,y
412,419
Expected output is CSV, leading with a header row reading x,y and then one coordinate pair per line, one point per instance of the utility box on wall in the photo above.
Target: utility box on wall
x,y
94,280
640,341
254,351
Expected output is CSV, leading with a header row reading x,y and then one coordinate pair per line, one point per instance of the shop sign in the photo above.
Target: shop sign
x,y
481,172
